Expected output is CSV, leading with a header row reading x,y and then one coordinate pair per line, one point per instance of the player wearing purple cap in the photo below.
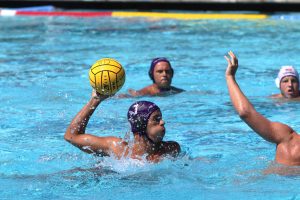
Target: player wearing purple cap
x,y
147,127
288,83
161,73
286,139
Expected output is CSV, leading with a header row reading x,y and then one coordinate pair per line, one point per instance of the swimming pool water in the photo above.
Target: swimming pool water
x,y
44,83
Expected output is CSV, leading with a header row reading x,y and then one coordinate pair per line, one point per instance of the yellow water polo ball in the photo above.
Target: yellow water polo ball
x,y
107,76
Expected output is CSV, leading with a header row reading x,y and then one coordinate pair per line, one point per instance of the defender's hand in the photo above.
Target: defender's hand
x,y
232,64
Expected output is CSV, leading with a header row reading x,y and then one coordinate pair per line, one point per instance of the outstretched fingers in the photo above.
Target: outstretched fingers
x,y
228,60
232,63
234,59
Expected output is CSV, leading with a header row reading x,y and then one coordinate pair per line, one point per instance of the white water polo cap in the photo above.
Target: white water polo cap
x,y
286,71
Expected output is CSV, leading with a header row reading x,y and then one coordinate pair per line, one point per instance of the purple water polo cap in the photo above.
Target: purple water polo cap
x,y
138,115
154,62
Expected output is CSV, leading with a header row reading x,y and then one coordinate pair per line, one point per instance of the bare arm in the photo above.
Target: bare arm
x,y
134,93
75,133
153,90
149,90
271,131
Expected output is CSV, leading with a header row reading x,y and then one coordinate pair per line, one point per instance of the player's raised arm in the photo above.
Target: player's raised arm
x,y
107,77
75,133
270,131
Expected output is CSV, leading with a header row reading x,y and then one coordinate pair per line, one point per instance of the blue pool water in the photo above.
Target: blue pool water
x,y
44,83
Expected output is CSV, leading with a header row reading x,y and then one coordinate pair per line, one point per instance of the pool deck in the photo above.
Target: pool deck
x,y
153,5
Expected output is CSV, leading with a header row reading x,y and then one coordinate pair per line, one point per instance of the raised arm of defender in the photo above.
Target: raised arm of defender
x,y
271,131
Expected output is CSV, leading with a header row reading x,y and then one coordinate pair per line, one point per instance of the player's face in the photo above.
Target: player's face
x,y
289,87
156,127
162,74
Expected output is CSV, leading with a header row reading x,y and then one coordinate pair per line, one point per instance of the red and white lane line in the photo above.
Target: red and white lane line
x,y
8,12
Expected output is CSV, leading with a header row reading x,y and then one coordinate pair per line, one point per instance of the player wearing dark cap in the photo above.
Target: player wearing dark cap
x,y
147,127
161,73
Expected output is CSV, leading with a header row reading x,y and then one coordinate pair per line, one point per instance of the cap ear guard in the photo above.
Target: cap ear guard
x,y
277,82
150,73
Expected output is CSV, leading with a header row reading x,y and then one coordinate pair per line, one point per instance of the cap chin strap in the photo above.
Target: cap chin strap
x,y
145,134
150,139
